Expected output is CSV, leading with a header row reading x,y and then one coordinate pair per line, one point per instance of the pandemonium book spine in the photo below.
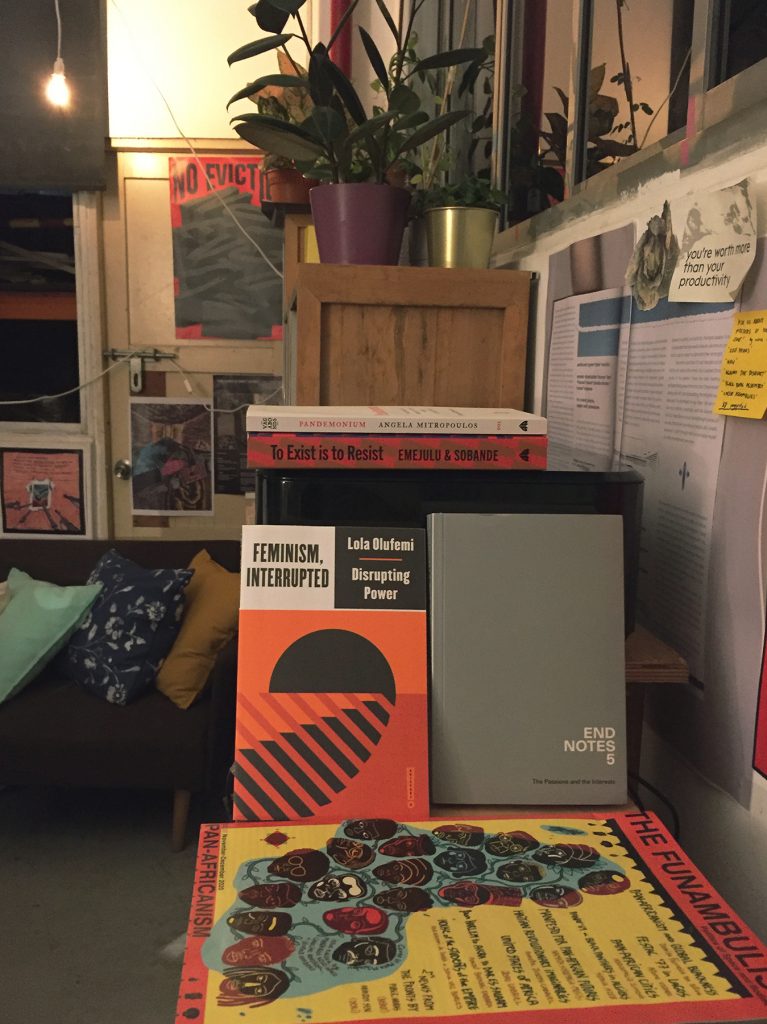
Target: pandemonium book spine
x,y
391,419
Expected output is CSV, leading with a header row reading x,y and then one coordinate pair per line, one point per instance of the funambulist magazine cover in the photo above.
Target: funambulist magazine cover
x,y
377,920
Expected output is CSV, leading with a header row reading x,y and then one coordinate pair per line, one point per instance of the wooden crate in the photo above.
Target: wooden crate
x,y
407,336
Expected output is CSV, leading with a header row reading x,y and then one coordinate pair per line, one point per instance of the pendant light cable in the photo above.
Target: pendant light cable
x,y
58,23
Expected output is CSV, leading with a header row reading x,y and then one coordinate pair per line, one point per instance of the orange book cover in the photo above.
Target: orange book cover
x,y
332,669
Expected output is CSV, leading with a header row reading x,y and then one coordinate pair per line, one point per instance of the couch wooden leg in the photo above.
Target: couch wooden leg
x,y
181,800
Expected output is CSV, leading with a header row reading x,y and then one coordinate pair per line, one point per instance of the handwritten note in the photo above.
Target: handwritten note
x,y
743,381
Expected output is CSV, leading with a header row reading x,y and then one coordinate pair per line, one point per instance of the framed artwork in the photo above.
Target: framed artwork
x,y
172,457
232,394
42,491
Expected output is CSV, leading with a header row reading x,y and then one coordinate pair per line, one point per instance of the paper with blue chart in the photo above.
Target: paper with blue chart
x,y
638,386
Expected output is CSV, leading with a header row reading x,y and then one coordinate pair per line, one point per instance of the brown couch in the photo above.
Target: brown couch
x,y
55,733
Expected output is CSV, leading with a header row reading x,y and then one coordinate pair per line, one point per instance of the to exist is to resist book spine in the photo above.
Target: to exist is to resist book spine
x,y
396,451
596,919
390,419
331,714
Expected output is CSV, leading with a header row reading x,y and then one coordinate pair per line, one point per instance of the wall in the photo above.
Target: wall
x,y
178,49
703,750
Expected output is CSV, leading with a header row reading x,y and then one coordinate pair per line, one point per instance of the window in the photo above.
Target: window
x,y
742,32
38,309
599,81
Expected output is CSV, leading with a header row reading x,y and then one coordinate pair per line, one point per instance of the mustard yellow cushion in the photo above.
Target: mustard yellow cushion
x,y
209,623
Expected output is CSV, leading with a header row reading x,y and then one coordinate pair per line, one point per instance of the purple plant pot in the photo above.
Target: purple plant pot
x,y
359,223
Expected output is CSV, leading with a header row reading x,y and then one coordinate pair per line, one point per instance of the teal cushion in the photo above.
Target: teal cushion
x,y
37,622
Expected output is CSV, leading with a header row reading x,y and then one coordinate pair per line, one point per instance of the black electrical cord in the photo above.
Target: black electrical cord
x,y
635,799
675,828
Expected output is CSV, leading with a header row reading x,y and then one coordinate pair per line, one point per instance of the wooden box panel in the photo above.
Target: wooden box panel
x,y
410,336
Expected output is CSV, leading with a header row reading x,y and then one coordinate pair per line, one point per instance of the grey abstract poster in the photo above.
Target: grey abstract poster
x,y
227,256
232,394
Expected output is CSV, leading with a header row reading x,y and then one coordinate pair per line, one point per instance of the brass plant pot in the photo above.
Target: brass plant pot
x,y
460,236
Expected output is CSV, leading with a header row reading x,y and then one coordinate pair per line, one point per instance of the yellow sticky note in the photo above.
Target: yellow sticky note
x,y
743,380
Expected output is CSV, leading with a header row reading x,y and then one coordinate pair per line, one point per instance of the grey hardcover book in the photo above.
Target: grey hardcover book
x,y
527,646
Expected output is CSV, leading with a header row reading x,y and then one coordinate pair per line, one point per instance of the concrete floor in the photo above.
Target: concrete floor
x,y
91,894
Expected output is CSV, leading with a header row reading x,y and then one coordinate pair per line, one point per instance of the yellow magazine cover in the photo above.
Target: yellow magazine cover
x,y
377,920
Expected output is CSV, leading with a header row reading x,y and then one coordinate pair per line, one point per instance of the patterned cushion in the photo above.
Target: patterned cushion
x,y
123,640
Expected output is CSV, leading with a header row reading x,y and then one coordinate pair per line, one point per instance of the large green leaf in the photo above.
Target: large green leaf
x,y
252,88
448,58
469,78
431,129
371,126
418,117
259,46
375,58
320,82
278,137
326,124
272,15
404,100
269,17
346,91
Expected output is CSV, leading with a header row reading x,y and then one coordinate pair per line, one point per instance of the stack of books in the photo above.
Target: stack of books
x,y
394,437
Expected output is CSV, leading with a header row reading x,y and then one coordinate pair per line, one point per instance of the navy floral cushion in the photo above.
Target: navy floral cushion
x,y
130,628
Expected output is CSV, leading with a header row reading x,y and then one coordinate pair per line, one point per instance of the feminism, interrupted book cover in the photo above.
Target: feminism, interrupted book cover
x,y
331,685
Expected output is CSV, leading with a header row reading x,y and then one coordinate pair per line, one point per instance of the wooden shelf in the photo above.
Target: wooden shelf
x,y
38,306
368,335
649,660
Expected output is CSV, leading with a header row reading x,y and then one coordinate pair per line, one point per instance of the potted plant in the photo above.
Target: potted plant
x,y
460,221
282,184
359,215
455,221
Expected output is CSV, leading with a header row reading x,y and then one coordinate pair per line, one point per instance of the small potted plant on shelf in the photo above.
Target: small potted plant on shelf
x,y
454,221
282,183
361,208
460,221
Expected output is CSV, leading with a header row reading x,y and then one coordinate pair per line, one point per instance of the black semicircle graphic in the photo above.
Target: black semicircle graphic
x,y
333,661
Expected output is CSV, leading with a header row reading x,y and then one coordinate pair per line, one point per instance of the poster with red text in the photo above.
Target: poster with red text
x,y
331,679
42,491
541,920
227,256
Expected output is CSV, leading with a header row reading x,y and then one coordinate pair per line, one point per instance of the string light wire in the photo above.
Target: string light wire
x,y
58,27
210,408
80,387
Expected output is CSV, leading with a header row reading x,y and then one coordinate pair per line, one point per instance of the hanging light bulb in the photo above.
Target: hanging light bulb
x,y
57,90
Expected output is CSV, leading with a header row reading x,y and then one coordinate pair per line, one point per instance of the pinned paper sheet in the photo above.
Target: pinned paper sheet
x,y
718,244
743,381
